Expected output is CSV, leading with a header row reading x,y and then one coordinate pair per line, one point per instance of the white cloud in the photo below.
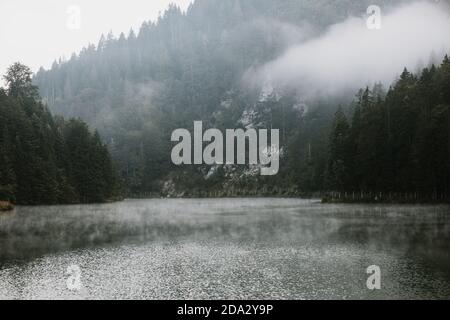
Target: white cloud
x,y
349,55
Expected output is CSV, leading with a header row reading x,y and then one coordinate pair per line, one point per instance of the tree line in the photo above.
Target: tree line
x,y
395,144
136,89
46,159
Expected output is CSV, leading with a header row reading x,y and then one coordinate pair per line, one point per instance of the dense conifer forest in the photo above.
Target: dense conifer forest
x,y
135,89
395,145
46,159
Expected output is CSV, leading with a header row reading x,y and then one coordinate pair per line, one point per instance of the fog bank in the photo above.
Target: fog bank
x,y
350,55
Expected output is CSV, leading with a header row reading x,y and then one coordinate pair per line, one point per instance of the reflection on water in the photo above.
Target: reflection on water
x,y
225,248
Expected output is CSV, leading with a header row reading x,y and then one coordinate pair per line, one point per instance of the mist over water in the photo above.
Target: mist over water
x,y
260,64
225,248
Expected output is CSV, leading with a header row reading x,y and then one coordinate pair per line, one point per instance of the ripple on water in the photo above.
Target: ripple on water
x,y
218,271
222,249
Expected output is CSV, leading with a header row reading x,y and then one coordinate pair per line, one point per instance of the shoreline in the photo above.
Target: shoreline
x,y
393,200
6,206
320,199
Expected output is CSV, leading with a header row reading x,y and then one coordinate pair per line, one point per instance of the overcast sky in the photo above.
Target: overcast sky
x,y
38,32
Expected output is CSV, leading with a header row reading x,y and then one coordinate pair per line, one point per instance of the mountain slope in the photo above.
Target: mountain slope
x,y
137,89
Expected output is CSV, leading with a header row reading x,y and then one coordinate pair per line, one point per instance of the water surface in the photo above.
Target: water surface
x,y
225,249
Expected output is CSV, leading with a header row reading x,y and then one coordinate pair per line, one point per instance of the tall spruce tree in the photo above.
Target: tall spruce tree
x,y
44,160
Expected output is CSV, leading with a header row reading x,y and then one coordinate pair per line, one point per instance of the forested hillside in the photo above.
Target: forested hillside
x,y
396,144
137,88
45,159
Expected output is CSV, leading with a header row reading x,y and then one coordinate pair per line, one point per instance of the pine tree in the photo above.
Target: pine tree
x,y
338,173
37,162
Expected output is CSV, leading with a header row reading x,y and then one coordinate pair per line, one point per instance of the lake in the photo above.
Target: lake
x,y
224,249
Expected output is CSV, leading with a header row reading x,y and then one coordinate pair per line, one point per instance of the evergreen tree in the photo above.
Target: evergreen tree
x,y
44,160
339,165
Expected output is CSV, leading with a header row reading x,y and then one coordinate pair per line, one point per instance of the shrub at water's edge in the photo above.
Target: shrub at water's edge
x,y
6,206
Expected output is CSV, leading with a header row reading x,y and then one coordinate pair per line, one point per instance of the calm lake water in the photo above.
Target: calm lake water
x,y
225,248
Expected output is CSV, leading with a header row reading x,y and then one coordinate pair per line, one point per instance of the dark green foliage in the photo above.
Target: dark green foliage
x,y
18,82
339,166
44,160
186,67
136,89
399,143
90,168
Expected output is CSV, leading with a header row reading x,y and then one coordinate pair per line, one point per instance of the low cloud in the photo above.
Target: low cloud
x,y
349,55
